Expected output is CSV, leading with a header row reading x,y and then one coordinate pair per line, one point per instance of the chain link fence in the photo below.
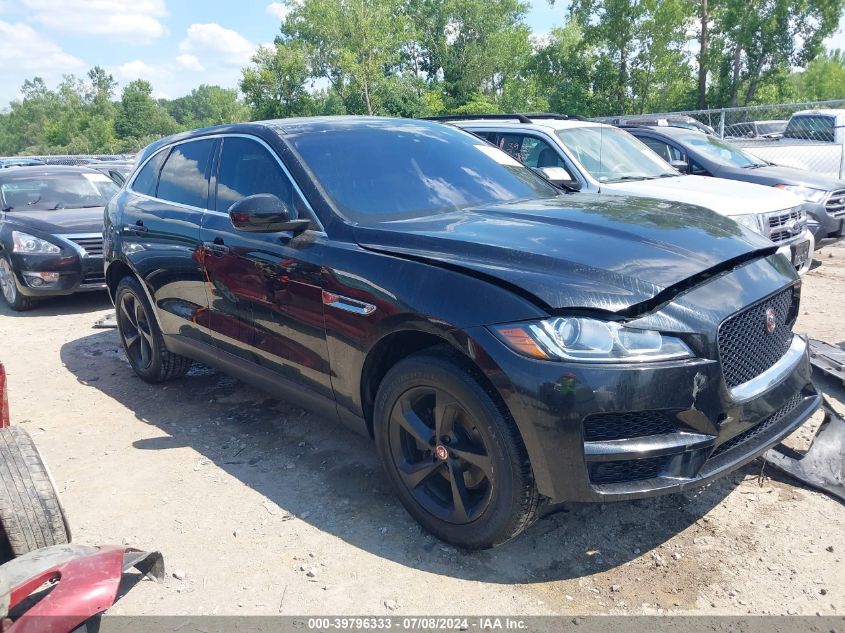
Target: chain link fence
x,y
804,135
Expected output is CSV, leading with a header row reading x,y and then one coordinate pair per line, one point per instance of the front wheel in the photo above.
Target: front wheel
x,y
453,453
9,288
142,338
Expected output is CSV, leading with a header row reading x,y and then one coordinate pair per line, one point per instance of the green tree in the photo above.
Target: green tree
x,y
823,78
756,42
139,118
207,105
276,85
352,44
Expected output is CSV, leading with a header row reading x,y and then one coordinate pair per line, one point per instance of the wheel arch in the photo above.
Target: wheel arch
x,y
116,271
399,345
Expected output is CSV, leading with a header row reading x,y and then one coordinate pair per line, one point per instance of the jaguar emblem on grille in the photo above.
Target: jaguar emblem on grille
x,y
771,321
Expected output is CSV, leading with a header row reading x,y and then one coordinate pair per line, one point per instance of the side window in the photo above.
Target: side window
x,y
147,179
247,168
531,151
184,177
664,150
698,170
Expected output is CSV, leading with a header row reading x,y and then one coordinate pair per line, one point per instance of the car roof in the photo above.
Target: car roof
x,y
665,130
44,170
542,124
822,111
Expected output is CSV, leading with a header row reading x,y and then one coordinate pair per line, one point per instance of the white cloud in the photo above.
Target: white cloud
x,y
837,40
279,9
26,50
217,43
190,62
137,69
136,20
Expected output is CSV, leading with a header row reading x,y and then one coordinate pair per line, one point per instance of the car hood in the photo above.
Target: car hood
x,y
771,175
60,221
608,253
727,197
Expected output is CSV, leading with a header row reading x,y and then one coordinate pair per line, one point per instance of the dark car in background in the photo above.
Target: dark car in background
x,y
669,120
504,343
709,156
20,162
773,128
51,225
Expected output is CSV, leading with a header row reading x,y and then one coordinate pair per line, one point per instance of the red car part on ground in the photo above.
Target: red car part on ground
x,y
4,399
84,579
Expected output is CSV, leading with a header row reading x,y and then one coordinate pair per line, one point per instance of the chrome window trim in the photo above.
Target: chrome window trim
x,y
774,375
130,184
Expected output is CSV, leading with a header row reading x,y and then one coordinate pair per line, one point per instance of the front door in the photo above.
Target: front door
x,y
161,232
265,288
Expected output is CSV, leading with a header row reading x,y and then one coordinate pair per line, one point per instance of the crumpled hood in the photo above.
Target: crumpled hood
x,y
726,197
582,250
59,221
771,175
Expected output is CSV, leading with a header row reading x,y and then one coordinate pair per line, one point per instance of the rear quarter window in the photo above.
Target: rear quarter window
x,y
184,176
147,179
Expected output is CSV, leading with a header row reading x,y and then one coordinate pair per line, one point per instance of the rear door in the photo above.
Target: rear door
x,y
266,288
161,231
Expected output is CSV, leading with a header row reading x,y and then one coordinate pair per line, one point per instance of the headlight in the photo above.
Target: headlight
x,y
589,340
805,193
751,221
29,244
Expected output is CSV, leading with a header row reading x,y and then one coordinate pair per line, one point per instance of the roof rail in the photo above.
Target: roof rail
x,y
471,117
522,117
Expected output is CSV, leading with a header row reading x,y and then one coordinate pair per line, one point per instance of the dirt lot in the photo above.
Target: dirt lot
x,y
261,508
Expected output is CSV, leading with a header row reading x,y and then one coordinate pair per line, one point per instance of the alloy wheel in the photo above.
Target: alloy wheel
x,y
7,281
440,455
135,330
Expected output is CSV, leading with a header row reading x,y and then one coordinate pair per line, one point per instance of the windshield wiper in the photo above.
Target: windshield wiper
x,y
6,209
628,178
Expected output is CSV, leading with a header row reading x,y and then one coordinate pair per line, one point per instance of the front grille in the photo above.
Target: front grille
x,y
626,470
835,204
617,426
746,348
780,225
91,245
94,278
757,429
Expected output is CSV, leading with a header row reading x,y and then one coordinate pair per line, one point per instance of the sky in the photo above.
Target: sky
x,y
175,44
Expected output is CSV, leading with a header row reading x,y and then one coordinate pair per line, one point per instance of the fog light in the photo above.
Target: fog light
x,y
39,280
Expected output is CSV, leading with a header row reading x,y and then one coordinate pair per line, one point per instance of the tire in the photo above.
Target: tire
x,y
30,511
141,337
9,288
472,485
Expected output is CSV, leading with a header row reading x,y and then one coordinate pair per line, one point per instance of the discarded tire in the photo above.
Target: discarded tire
x,y
31,514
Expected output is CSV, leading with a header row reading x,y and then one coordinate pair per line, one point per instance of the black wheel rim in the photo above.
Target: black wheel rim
x,y
7,282
135,331
440,455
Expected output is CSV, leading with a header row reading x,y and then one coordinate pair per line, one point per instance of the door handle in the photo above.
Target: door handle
x,y
138,228
216,248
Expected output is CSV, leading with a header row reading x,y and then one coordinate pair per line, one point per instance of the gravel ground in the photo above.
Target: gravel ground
x,y
262,508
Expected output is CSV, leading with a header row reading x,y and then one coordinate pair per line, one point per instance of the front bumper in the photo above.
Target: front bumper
x,y
613,432
76,273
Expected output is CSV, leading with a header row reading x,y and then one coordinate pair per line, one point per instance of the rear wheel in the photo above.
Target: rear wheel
x,y
30,512
141,337
9,287
453,453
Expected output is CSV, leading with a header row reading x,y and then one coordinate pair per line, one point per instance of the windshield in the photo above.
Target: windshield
x,y
382,170
612,155
721,151
771,127
812,127
49,192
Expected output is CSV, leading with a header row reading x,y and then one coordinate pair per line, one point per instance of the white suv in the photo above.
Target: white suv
x,y
599,158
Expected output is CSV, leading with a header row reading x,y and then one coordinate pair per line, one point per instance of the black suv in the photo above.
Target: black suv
x,y
505,344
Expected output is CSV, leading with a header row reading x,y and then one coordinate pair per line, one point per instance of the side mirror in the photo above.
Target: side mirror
x,y
265,213
559,177
681,165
